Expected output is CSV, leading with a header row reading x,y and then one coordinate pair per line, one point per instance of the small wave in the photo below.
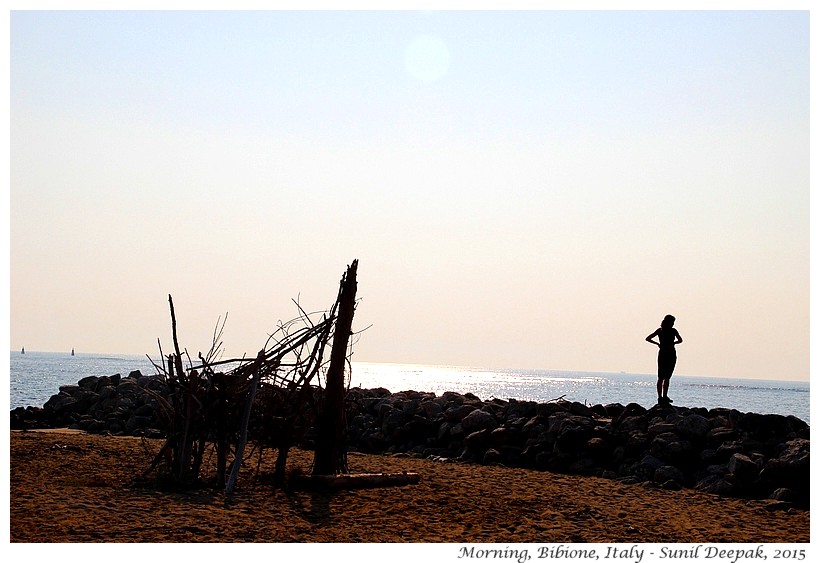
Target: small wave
x,y
728,386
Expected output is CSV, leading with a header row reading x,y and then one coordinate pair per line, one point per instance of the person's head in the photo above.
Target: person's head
x,y
668,321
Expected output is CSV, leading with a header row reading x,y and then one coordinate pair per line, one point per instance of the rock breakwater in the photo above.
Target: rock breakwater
x,y
721,451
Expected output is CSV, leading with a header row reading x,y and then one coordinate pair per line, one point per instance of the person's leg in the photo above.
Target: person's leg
x,y
663,376
661,368
671,361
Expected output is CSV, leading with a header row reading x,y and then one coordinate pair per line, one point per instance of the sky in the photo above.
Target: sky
x,y
522,189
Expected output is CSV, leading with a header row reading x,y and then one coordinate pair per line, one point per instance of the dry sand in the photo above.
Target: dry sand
x,y
74,487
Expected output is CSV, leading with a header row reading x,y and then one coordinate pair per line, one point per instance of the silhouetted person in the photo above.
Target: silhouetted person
x,y
668,336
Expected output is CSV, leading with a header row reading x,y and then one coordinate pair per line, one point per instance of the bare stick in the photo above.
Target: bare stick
x,y
243,433
174,325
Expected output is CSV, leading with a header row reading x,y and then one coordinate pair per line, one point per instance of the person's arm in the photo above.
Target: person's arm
x,y
651,336
678,337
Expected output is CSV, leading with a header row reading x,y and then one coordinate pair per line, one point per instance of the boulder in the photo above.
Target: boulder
x,y
666,473
547,409
492,456
457,413
519,409
783,494
89,382
614,410
477,440
501,435
572,440
789,469
535,426
693,426
742,468
581,409
720,434
479,420
715,484
628,424
393,419
431,409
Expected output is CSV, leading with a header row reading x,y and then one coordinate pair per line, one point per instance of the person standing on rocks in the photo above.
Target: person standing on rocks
x,y
667,336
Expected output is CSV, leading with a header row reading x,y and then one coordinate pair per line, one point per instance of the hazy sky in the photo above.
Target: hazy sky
x,y
522,189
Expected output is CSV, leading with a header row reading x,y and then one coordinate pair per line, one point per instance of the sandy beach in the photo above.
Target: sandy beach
x,y
76,487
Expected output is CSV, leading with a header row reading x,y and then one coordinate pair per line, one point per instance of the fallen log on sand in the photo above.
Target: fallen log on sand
x,y
353,481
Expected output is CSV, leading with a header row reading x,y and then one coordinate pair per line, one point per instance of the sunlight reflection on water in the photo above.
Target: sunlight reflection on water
x,y
37,376
589,388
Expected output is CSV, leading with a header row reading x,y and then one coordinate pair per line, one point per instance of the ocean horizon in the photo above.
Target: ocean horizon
x,y
36,376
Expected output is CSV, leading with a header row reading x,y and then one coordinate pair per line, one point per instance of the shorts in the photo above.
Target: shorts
x,y
666,364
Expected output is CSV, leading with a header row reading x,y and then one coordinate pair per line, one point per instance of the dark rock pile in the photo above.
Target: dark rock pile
x,y
721,451
107,404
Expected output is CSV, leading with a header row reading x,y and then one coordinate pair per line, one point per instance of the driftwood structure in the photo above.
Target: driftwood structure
x,y
270,399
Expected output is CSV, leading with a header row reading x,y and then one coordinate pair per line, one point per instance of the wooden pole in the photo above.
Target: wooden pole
x,y
331,455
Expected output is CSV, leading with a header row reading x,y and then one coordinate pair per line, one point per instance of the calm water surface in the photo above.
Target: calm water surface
x,y
36,376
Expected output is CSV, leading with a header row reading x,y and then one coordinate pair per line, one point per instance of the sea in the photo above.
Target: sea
x,y
36,376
